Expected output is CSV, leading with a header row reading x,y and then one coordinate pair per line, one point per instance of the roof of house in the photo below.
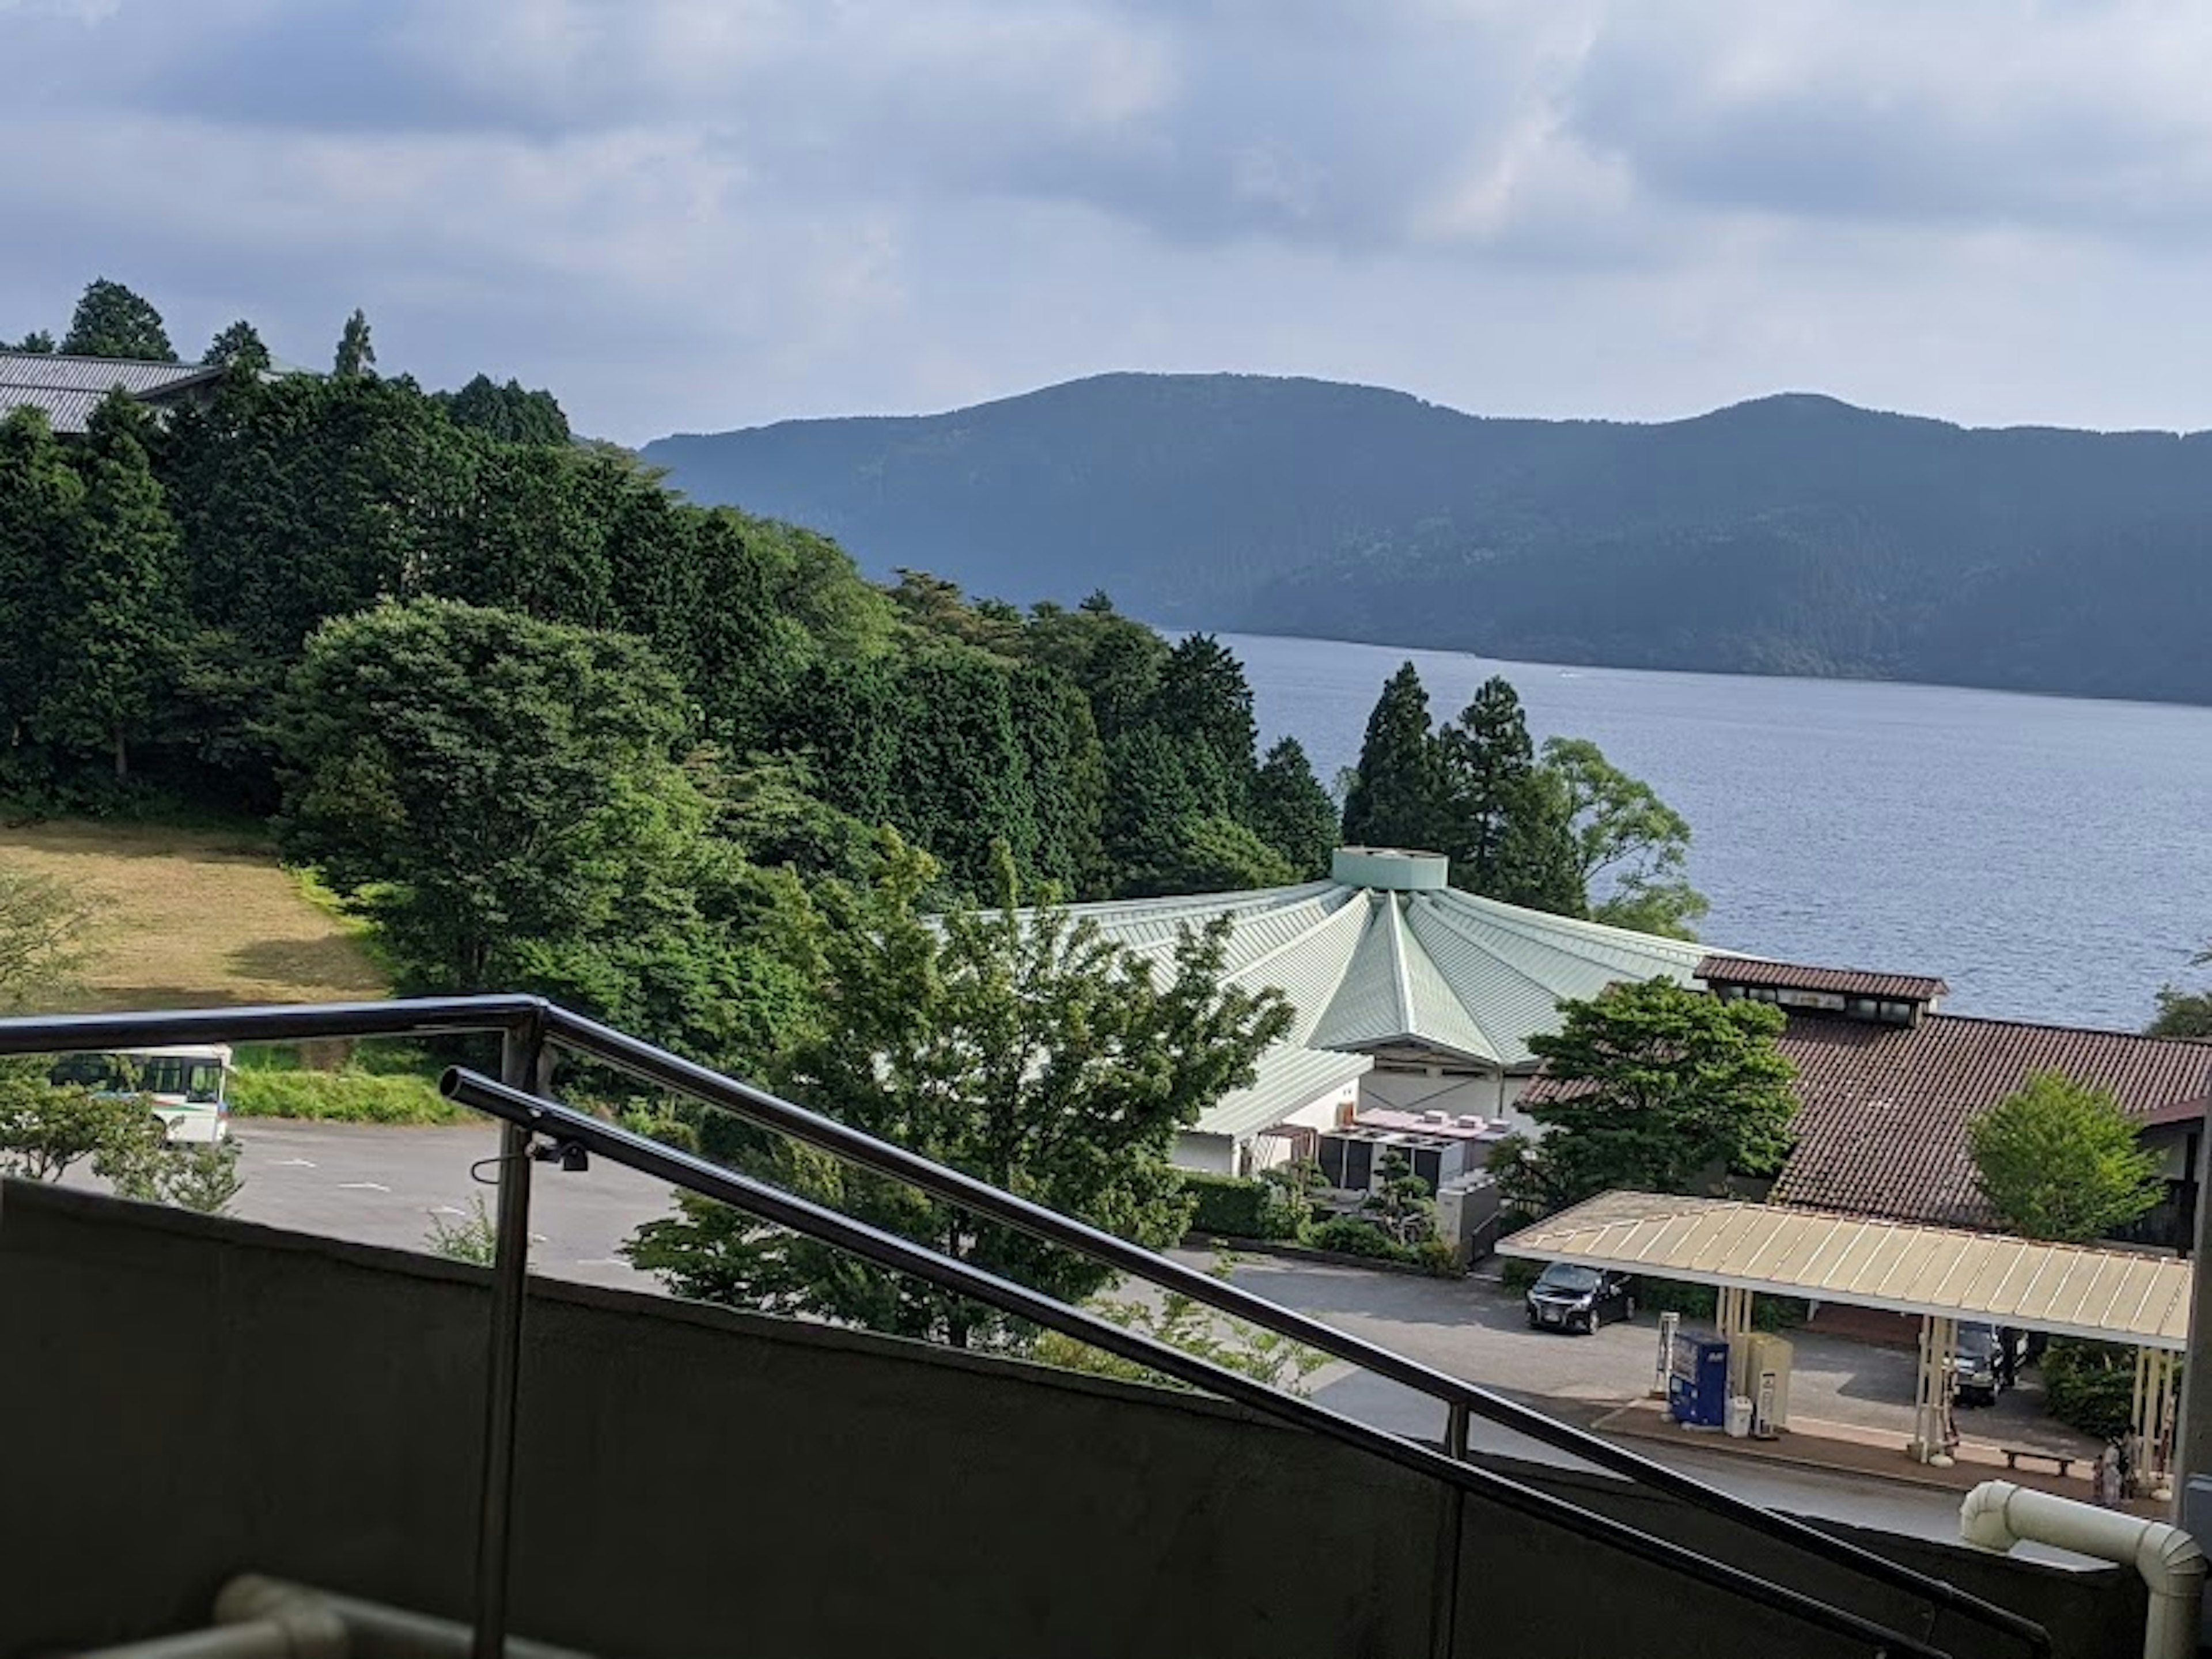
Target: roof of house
x,y
1882,1125
1841,981
2069,1290
70,388
1372,969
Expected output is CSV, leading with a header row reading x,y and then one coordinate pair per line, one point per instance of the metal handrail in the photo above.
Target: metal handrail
x,y
641,1060
528,1022
568,1128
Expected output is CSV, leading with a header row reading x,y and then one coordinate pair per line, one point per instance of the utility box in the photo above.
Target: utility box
x,y
1696,1383
1767,1381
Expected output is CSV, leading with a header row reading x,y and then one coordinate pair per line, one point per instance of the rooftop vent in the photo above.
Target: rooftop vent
x,y
1393,869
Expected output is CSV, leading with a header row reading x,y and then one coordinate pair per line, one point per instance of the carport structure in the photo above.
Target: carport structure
x,y
1943,1275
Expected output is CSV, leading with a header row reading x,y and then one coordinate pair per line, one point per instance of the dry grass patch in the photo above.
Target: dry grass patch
x,y
193,918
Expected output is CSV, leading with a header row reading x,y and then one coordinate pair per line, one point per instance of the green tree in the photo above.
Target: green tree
x,y
48,1128
508,412
1625,841
355,356
1399,1203
2181,1013
38,343
239,347
41,520
45,925
111,321
116,619
2059,1160
1659,1089
1292,812
1507,826
1021,1047
487,787
1396,798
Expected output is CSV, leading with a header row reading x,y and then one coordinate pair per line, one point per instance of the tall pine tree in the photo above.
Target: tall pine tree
x,y
41,517
117,606
1507,825
1396,798
355,355
1292,812
111,321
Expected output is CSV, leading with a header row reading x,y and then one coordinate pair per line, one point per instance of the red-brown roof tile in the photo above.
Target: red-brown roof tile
x,y
1882,1125
1797,976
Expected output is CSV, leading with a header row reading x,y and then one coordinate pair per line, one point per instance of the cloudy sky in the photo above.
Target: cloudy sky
x,y
687,215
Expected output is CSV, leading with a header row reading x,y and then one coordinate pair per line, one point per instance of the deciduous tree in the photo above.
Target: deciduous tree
x,y
1021,1049
1661,1088
2058,1159
1625,841
479,782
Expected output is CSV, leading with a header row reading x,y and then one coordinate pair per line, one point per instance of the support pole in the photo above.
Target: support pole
x,y
1931,1430
522,1065
2193,1444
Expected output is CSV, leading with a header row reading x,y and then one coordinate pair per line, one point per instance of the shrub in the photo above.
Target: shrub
x,y
2090,1386
1236,1209
1438,1259
347,1096
1348,1235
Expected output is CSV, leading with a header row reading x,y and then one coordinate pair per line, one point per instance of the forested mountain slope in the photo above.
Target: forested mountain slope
x,y
1793,534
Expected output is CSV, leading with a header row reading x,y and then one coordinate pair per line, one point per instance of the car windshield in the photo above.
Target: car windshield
x,y
1976,1341
1561,1277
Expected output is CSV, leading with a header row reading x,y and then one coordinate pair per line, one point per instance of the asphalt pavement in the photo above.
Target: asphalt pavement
x,y
393,1186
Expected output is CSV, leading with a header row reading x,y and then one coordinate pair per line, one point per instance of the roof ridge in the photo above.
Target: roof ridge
x,y
101,357
2205,1044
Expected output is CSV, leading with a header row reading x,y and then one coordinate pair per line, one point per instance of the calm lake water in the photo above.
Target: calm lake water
x,y
2041,853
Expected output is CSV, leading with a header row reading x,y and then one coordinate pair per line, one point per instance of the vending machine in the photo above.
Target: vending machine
x,y
1697,1384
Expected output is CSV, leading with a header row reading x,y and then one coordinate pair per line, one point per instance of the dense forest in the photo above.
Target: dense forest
x,y
1790,535
545,720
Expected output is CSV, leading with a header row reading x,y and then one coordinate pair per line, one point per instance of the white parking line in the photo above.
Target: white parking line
x,y
363,1187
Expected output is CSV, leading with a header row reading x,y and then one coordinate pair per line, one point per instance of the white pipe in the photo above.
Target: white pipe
x,y
372,1631
1997,1515
296,1632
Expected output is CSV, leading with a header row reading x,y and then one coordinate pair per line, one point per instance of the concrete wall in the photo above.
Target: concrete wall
x,y
187,1398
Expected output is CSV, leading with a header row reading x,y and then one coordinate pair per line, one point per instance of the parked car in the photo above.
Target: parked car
x,y
1985,1363
1565,1297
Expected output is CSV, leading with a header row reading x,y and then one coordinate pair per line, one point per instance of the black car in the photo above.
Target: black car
x,y
1570,1298
1985,1363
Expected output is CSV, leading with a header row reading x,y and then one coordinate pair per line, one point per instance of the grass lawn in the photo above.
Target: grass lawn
x,y
193,918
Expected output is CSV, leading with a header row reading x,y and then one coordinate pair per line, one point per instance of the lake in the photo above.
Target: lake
x,y
2039,853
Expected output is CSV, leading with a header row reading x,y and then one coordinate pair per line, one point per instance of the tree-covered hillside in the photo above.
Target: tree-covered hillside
x,y
1791,535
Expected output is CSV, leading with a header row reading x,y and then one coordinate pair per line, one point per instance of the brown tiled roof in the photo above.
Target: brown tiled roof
x,y
1884,1109
1797,976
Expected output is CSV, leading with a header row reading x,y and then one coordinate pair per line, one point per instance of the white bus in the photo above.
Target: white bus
x,y
187,1085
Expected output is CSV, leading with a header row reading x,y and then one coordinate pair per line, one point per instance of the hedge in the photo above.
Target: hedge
x,y
347,1096
1235,1208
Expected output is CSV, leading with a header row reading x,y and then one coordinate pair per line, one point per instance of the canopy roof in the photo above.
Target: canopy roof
x,y
1387,960
2068,1290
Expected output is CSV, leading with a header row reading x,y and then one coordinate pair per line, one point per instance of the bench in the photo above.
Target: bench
x,y
2063,1460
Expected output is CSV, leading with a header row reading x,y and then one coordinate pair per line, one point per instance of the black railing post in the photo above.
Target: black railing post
x,y
522,1056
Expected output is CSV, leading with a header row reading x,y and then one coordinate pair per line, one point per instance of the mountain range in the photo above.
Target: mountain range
x,y
1793,534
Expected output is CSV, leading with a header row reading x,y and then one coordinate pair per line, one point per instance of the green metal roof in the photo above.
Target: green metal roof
x,y
1413,965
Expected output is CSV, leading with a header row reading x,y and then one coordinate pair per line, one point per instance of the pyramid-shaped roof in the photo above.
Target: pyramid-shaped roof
x,y
1385,957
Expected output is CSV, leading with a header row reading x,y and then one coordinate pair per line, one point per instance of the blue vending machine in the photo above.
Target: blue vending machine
x,y
1697,1381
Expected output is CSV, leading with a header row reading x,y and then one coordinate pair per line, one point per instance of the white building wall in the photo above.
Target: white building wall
x,y
1208,1154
